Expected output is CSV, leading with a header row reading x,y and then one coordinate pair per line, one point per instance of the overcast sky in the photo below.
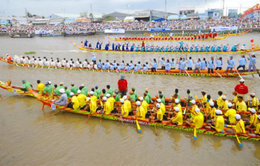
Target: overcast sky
x,y
47,7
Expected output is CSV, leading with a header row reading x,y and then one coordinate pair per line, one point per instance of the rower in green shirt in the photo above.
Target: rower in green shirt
x,y
26,85
149,96
84,90
48,88
58,89
98,92
132,97
118,95
67,91
190,97
74,89
133,89
146,98
110,90
162,98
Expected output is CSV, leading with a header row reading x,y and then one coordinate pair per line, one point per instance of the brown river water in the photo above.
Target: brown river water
x,y
29,136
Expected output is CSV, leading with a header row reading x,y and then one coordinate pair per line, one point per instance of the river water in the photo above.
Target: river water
x,y
32,137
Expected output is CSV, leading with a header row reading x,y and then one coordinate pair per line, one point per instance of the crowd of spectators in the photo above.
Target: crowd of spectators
x,y
136,25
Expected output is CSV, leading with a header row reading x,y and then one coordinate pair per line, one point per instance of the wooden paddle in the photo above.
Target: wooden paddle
x,y
218,74
88,114
195,133
222,131
240,144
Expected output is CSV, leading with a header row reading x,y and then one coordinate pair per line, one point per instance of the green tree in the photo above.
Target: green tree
x,y
109,18
91,16
84,14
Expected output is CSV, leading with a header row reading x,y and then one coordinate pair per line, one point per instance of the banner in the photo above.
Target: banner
x,y
38,32
217,29
114,31
159,29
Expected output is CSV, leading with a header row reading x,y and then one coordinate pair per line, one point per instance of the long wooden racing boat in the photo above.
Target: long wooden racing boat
x,y
221,34
140,52
175,72
146,122
14,89
186,38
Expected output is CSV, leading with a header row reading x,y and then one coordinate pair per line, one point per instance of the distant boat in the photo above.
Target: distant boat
x,y
21,35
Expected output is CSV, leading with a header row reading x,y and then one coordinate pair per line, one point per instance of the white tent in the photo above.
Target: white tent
x,y
129,19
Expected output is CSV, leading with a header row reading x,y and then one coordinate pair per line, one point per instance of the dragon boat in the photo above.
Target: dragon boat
x,y
173,52
145,122
221,34
175,72
181,38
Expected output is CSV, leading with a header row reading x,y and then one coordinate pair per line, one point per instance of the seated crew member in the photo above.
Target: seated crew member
x,y
178,118
63,98
156,116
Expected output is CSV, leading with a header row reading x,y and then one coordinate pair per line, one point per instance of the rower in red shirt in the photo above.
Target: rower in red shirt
x,y
241,89
122,85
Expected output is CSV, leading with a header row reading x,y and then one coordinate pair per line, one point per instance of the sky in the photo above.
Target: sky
x,y
99,7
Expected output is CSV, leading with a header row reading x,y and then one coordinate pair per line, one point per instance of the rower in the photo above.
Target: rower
x,y
189,98
257,130
255,102
132,97
74,89
218,121
203,99
241,105
107,107
98,92
178,105
48,88
128,105
230,114
144,104
124,109
58,88
82,100
149,96
231,64
111,101
178,117
159,115
162,106
26,85
192,112
40,87
139,112
110,90
253,119
74,104
83,89
240,125
63,98
211,65
219,100
224,105
197,121
235,98
242,63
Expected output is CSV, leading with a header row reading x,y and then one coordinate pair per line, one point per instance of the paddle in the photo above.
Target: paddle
x,y
222,131
255,68
101,111
187,73
218,74
239,75
240,144
138,126
155,130
195,133
88,114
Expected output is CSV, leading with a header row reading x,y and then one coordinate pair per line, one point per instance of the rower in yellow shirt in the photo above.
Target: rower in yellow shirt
x,y
177,104
255,102
178,118
107,107
92,96
257,130
193,113
212,110
162,106
92,105
40,87
82,100
112,101
128,104
230,114
74,101
219,100
240,125
224,105
140,112
197,121
241,105
253,119
124,108
158,116
144,104
235,98
219,121
204,99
